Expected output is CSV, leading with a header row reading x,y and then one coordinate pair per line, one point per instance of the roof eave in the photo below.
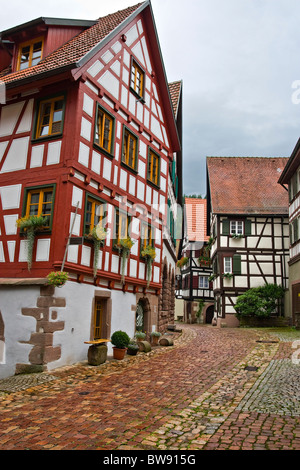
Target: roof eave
x,y
291,166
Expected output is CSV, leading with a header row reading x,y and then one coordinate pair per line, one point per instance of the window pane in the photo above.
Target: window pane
x,y
227,265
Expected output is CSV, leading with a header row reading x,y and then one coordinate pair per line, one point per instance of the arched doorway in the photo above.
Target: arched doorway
x,y
142,315
209,314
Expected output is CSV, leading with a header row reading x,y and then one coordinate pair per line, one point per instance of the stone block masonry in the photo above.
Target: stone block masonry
x,y
43,350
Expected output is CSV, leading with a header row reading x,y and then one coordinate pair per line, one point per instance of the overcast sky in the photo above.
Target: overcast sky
x,y
238,60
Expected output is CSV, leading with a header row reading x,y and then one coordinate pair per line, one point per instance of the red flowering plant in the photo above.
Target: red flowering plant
x,y
57,278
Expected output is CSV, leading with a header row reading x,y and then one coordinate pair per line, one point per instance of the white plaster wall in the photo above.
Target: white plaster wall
x,y
78,317
17,327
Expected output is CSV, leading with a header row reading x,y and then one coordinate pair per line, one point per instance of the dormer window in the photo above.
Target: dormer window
x,y
30,53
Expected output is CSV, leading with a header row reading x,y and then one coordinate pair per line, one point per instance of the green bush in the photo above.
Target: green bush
x,y
259,301
120,339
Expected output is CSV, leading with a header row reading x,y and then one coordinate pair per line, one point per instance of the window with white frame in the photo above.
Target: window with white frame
x,y
227,264
236,227
203,282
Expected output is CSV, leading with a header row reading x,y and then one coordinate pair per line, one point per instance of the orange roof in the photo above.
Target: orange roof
x,y
195,212
71,53
246,185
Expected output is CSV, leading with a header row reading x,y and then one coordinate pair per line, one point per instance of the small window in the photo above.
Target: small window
x,y
30,54
227,264
129,153
146,236
203,282
94,214
122,221
236,227
153,167
137,79
98,318
104,130
50,117
39,202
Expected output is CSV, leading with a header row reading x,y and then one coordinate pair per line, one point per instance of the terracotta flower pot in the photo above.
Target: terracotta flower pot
x,y
119,353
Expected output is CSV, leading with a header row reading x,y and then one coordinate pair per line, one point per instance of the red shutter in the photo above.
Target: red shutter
x,y
195,282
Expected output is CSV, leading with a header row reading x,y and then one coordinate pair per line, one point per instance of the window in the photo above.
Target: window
x,y
129,153
227,264
146,236
39,202
153,167
122,221
104,130
137,79
94,214
203,282
236,227
50,117
98,318
30,53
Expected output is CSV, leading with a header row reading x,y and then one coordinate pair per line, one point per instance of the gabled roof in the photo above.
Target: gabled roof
x,y
73,53
246,185
175,89
195,215
291,166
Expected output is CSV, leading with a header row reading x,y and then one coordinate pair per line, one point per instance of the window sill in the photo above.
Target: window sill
x,y
36,140
133,170
102,151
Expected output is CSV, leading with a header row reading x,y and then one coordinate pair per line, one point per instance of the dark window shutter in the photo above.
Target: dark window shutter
x,y
214,230
295,224
247,227
195,282
236,264
291,233
225,227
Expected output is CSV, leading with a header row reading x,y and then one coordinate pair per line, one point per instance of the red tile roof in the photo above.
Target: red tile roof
x,y
195,212
247,185
75,49
175,88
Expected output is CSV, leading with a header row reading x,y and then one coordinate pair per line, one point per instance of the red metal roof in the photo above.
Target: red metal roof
x,y
247,185
195,211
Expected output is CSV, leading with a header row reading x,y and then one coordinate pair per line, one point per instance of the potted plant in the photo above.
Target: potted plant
x,y
155,335
140,335
149,254
29,225
182,262
132,348
227,275
124,246
57,278
237,235
120,340
98,235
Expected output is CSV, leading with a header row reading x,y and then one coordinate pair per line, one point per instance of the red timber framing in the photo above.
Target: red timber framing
x,y
69,160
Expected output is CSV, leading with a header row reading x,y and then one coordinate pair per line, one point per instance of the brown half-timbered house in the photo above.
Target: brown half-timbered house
x,y
290,180
248,220
194,266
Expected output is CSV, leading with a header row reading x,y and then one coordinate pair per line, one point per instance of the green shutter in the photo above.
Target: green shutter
x,y
247,227
173,170
295,224
236,264
291,234
225,227
176,187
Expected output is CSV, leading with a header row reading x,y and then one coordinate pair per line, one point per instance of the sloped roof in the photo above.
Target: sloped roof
x,y
174,89
291,166
195,212
74,51
246,185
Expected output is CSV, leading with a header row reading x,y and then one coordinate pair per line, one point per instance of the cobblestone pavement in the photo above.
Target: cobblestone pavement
x,y
215,389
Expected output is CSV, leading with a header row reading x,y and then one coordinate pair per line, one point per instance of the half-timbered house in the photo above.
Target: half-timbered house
x,y
87,137
248,221
194,267
290,180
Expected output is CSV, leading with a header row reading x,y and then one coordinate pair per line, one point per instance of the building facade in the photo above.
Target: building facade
x,y
194,285
290,180
87,137
248,221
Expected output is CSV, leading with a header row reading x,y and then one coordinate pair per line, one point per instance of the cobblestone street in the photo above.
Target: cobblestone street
x,y
215,389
